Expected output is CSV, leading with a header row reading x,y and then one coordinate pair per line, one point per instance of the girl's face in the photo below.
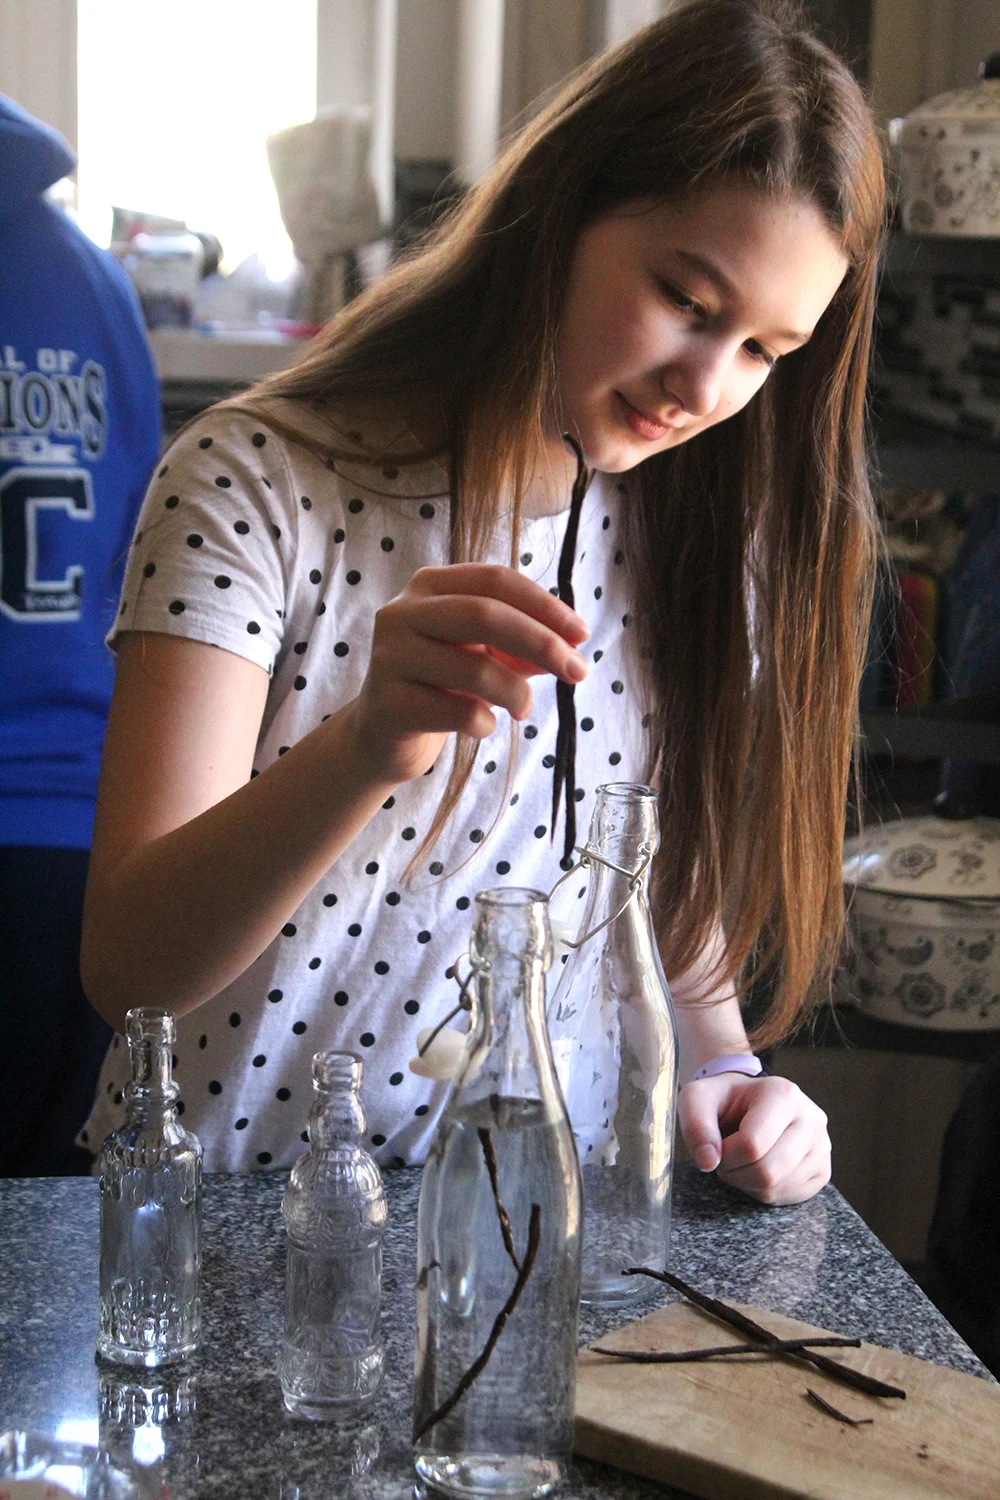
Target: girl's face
x,y
676,313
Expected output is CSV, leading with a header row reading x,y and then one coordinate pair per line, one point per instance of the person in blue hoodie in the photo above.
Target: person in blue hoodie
x,y
79,437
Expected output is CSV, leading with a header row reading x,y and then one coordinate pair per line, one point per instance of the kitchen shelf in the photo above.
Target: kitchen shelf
x,y
844,1027
912,455
941,255
963,728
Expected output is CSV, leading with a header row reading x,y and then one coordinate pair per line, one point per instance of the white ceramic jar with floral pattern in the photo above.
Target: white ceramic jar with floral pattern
x,y
948,157
924,925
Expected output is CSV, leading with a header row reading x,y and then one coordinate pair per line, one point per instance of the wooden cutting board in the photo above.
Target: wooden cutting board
x,y
746,1430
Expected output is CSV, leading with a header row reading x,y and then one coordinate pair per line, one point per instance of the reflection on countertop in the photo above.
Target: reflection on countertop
x,y
216,1426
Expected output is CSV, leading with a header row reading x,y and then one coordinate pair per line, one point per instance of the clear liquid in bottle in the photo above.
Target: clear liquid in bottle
x,y
503,1140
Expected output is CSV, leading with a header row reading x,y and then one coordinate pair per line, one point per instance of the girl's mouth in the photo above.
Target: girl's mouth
x,y
641,423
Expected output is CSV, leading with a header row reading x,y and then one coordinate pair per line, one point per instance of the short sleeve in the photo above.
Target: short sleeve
x,y
210,556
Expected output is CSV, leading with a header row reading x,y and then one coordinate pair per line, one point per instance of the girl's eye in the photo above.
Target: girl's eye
x,y
678,298
759,353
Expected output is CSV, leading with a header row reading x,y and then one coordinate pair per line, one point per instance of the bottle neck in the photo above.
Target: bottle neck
x,y
337,1118
624,831
511,949
152,1089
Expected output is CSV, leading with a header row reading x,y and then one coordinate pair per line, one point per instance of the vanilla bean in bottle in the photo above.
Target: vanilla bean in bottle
x,y
150,1173
615,1046
499,1235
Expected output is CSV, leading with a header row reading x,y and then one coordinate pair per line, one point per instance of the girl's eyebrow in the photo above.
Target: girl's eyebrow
x,y
713,273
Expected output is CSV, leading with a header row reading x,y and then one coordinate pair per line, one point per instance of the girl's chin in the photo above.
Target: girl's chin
x,y
616,455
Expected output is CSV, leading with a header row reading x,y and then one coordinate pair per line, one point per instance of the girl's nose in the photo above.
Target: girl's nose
x,y
697,378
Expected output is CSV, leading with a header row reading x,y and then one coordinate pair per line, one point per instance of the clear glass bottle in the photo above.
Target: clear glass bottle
x,y
615,1046
500,1208
150,1170
335,1214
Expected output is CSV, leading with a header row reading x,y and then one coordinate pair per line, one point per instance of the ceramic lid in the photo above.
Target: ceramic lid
x,y
959,113
937,858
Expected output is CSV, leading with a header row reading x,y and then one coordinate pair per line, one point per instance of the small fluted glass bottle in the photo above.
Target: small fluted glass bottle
x,y
150,1171
335,1214
499,1233
615,1046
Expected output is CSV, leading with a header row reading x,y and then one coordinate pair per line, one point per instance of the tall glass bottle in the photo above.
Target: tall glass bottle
x,y
499,1232
615,1046
335,1215
150,1170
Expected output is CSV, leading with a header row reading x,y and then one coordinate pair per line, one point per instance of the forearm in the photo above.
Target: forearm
x,y
709,1023
176,920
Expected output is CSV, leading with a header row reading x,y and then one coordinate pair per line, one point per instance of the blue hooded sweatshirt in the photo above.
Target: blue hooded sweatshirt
x,y
79,437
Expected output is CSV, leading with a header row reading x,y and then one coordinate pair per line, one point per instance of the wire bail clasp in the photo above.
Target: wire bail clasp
x,y
589,856
464,998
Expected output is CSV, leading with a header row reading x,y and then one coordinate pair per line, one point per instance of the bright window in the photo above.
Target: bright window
x,y
175,103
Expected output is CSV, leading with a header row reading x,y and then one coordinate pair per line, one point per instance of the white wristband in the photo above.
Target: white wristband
x,y
730,1062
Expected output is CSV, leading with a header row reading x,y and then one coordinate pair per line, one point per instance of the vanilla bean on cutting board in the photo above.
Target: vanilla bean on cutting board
x,y
686,1356
763,1336
832,1411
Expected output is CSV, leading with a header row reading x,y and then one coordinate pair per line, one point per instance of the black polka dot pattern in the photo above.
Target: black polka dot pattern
x,y
293,565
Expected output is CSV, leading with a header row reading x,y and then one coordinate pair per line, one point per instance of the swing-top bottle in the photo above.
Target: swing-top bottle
x,y
615,1046
499,1229
150,1171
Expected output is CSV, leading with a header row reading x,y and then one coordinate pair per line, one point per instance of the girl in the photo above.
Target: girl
x,y
344,581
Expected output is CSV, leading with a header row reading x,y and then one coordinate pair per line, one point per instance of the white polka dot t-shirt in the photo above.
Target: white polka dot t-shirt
x,y
254,545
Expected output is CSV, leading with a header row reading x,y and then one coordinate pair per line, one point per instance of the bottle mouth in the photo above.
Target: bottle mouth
x,y
511,922
150,1023
627,791
331,1070
503,897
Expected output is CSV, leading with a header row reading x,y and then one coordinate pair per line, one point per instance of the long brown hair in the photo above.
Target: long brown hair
x,y
751,547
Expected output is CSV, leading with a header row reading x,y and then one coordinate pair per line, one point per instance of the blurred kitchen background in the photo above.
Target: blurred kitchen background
x,y
378,111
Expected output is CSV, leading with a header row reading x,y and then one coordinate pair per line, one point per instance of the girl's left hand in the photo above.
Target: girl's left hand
x,y
763,1135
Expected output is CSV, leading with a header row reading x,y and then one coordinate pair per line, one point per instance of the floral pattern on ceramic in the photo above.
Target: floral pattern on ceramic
x,y
924,923
928,857
948,152
921,995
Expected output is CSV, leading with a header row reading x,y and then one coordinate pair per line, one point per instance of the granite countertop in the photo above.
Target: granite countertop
x,y
218,1426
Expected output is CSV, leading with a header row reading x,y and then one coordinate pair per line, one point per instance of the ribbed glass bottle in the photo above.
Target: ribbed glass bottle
x,y
499,1235
335,1215
615,1044
150,1171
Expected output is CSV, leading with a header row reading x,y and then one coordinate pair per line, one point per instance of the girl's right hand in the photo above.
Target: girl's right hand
x,y
458,642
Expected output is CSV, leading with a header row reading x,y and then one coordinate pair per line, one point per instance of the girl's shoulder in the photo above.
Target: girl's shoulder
x,y
233,439
371,452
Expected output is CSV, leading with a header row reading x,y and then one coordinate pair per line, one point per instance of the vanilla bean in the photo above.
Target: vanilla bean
x,y
564,774
479,1364
832,1411
486,1141
736,1319
684,1356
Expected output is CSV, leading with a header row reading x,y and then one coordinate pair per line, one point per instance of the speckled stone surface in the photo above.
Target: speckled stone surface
x,y
230,1438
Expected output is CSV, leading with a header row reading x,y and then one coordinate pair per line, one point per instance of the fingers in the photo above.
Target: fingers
x,y
769,1139
698,1117
523,642
422,710
795,1168
494,581
457,642
474,673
